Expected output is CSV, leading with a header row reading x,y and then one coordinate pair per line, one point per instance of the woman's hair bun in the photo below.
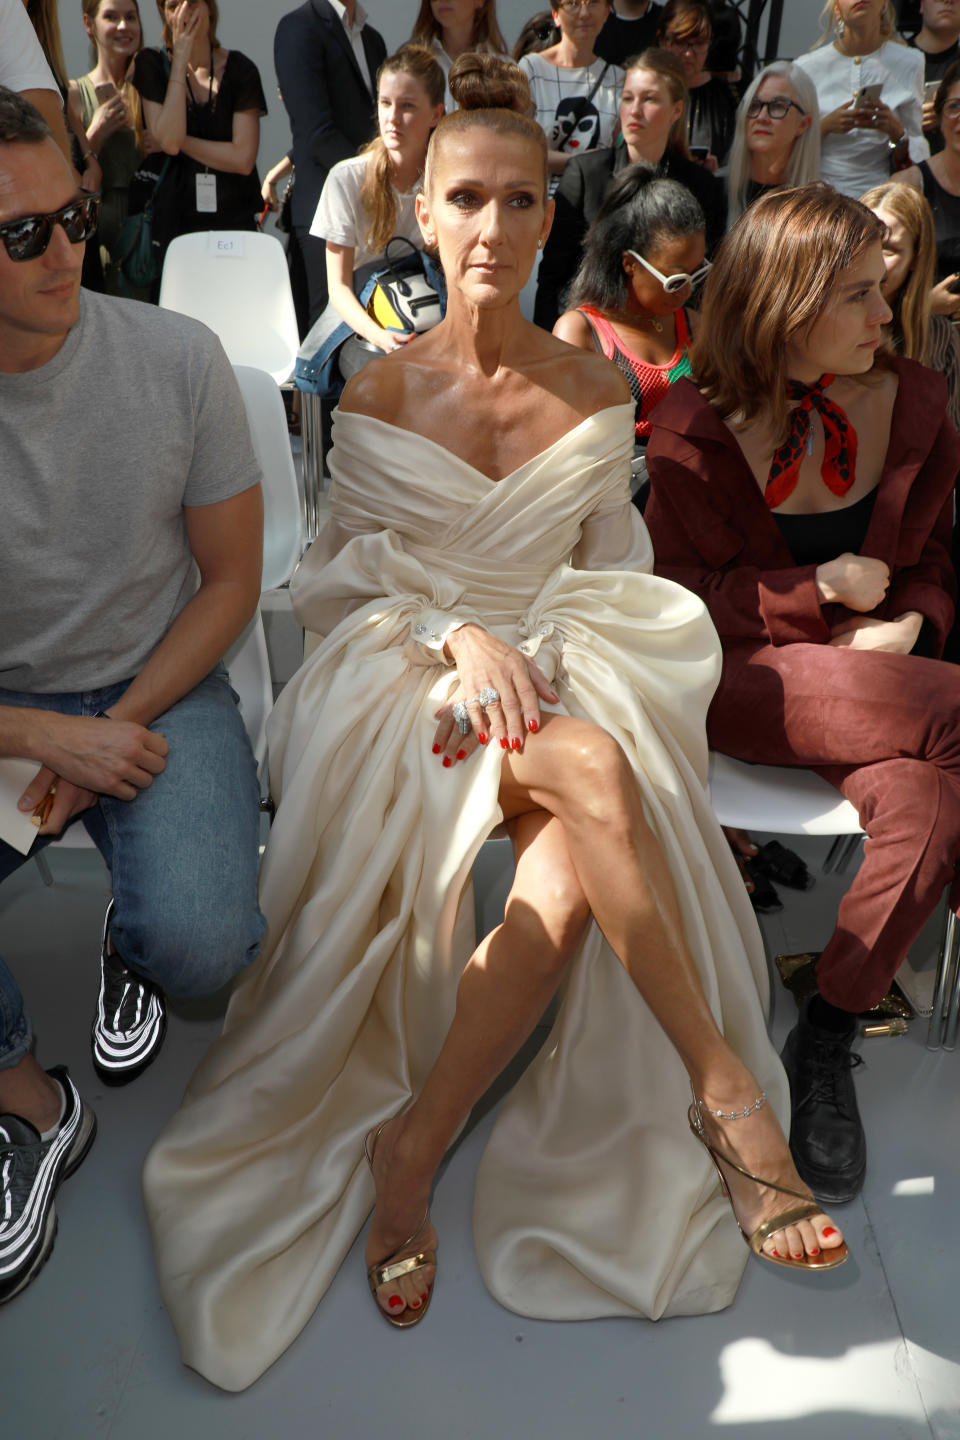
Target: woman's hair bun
x,y
487,82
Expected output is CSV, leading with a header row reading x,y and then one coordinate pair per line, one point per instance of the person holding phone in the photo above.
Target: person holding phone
x,y
112,120
939,179
870,93
938,41
203,103
686,29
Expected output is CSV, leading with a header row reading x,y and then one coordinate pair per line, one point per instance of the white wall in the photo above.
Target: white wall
x,y
248,25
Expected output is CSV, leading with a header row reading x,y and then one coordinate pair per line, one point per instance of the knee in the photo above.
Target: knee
x,y
188,953
602,783
549,932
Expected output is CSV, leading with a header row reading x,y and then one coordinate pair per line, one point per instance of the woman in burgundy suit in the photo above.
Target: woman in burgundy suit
x,y
805,492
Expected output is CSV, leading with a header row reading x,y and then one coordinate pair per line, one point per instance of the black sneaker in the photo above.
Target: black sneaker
x,y
826,1134
31,1169
131,1018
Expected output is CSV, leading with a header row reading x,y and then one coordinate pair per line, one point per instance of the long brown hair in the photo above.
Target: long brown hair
x,y
129,91
486,31
668,68
772,278
377,196
910,328
214,22
43,17
491,93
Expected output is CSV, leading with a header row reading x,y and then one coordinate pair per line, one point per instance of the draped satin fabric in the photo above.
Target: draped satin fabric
x,y
592,1198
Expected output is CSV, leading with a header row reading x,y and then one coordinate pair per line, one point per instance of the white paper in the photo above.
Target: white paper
x,y
206,193
16,826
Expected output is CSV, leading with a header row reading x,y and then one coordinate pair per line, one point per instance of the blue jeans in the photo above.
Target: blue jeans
x,y
182,855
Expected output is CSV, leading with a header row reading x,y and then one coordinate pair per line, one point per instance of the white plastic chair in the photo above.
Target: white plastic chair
x,y
787,800
237,283
283,535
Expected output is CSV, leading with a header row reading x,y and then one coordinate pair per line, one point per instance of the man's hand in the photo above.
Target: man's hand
x,y
108,757
67,800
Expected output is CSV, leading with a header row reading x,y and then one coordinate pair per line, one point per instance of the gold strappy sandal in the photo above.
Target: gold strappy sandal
x,y
826,1259
389,1269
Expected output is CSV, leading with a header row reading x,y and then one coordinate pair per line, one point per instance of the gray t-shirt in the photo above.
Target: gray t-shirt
x,y
137,415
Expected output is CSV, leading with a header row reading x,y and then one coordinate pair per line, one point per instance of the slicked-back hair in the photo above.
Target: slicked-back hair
x,y
20,122
640,211
492,94
773,276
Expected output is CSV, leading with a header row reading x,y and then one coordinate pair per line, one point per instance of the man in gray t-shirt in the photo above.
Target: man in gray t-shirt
x,y
129,561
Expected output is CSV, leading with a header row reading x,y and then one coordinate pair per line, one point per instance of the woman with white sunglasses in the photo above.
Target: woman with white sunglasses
x,y
642,257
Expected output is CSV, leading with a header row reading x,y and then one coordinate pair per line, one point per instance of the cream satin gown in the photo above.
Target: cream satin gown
x,y
592,1197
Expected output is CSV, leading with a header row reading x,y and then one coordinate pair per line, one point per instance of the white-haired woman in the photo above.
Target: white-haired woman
x,y
870,88
777,139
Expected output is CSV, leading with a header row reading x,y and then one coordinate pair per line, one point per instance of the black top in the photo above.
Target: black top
x,y
712,117
621,40
583,185
238,196
946,219
813,539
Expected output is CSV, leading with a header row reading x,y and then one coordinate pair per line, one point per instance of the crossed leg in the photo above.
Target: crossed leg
x,y
584,846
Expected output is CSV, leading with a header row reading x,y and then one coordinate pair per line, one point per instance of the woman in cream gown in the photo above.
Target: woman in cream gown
x,y
528,563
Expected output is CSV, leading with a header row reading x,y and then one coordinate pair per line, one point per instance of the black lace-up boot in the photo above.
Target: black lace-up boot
x,y
826,1133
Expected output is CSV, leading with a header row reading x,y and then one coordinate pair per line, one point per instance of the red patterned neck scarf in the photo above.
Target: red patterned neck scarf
x,y
839,466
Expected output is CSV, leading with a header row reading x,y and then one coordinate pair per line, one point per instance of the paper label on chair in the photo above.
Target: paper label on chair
x,y
228,246
206,194
16,828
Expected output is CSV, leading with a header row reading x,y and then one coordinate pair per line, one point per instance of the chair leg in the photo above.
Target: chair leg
x,y
839,853
953,1010
945,991
312,435
46,874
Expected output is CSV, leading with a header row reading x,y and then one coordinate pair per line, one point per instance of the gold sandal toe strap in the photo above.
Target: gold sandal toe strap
x,y
780,1222
383,1274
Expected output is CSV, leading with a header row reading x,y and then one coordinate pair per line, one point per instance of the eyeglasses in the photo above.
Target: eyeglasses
x,y
673,283
29,237
776,108
570,7
693,43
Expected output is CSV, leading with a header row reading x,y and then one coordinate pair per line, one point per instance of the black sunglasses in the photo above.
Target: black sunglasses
x,y
28,237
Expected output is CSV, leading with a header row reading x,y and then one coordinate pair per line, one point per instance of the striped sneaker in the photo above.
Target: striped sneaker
x,y
131,1018
31,1169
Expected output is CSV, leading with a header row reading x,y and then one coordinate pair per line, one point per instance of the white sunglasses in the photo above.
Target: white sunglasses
x,y
673,283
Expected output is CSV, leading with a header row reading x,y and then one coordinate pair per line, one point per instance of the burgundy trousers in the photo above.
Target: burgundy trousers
x,y
885,729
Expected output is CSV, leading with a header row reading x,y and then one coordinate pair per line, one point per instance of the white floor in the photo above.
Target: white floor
x,y
870,1350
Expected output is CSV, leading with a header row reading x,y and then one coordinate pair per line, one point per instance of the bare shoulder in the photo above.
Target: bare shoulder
x,y
574,328
592,381
911,176
379,389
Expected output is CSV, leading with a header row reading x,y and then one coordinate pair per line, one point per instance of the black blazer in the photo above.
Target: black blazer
x,y
332,111
583,185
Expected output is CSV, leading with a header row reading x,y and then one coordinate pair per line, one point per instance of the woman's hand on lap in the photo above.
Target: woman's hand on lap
x,y
484,661
857,581
894,637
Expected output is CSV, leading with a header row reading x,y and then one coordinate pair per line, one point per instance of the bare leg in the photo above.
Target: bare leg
x,y
27,1090
505,989
578,773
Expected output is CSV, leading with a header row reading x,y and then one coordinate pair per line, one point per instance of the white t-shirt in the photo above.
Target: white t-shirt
x,y
558,94
340,216
22,63
858,160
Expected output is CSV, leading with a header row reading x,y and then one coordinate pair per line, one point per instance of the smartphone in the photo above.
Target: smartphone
x,y
699,152
930,89
867,95
105,92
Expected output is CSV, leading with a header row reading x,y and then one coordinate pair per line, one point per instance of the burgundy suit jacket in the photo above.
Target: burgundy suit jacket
x,y
713,533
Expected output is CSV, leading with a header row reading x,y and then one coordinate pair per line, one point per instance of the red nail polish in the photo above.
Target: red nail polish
x,y
447,762
533,726
482,738
461,754
437,749
775,1252
814,1251
394,1302
415,1304
798,1254
504,743
424,1295
830,1230
515,743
